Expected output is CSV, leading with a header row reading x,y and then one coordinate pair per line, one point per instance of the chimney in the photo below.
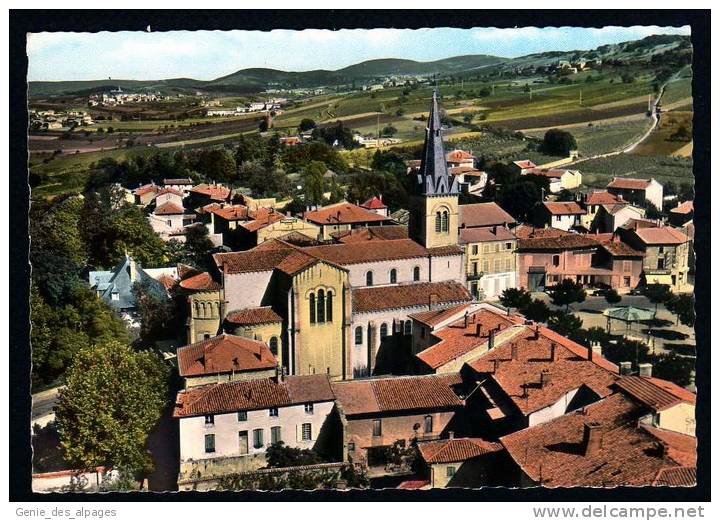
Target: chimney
x,y
645,370
466,320
451,435
494,229
537,332
478,330
514,351
544,378
491,340
625,368
553,351
592,438
597,349
590,352
496,365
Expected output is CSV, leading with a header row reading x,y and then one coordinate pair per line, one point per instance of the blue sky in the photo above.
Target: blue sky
x,y
209,54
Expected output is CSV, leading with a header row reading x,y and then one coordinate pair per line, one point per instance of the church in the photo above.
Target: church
x,y
342,309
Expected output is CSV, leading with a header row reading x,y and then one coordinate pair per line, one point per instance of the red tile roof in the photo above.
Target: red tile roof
x,y
237,212
553,453
263,217
343,213
374,203
168,190
224,354
525,231
169,208
437,316
626,183
146,189
554,173
200,282
564,208
252,395
485,234
520,378
358,252
483,214
654,393
456,449
456,156
396,394
252,316
414,484
572,241
681,448
372,233
525,163
601,197
661,235
180,181
676,477
683,208
380,298
614,246
213,192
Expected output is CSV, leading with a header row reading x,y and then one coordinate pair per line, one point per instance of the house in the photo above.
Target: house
x,y
530,375
482,215
462,462
181,184
562,215
168,195
472,180
460,158
682,213
545,261
604,444
280,228
204,194
377,412
343,216
560,179
666,254
227,427
225,358
526,231
116,287
375,204
145,194
610,217
490,260
592,202
169,220
638,191
522,166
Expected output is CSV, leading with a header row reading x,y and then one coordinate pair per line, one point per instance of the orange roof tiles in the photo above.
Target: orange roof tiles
x,y
681,448
456,156
214,192
379,298
358,252
601,197
676,477
485,234
262,218
654,393
436,316
563,242
181,181
520,377
553,453
169,208
372,233
237,212
525,231
224,354
627,183
456,449
252,395
396,394
146,189
169,190
526,163
661,235
374,203
483,214
564,208
252,316
554,173
683,208
343,213
200,282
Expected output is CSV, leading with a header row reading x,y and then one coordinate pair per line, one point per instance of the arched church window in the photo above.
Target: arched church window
x,y
321,306
438,222
393,276
312,308
369,278
358,335
445,222
329,306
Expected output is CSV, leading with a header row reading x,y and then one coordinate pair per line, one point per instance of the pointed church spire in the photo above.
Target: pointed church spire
x,y
433,178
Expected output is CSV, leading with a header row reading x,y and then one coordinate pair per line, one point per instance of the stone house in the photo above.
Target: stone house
x,y
462,462
343,216
560,215
490,263
560,179
638,191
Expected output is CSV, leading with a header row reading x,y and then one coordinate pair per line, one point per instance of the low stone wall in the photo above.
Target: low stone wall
x,y
72,480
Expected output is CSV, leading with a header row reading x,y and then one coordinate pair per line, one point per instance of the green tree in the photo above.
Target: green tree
x,y
612,296
517,298
682,306
159,314
520,199
558,142
306,124
251,148
314,182
567,292
657,294
565,324
113,399
279,455
388,131
536,311
673,367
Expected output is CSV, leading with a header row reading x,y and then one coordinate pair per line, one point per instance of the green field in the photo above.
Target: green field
x,y
597,172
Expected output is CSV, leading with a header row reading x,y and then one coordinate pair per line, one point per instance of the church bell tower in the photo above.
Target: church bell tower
x,y
434,217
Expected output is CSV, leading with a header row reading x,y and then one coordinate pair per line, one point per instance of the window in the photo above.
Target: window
x,y
358,336
627,265
428,424
474,289
206,336
168,223
498,265
558,218
422,332
438,222
450,472
474,249
329,306
556,260
209,419
626,281
486,248
416,273
661,249
474,268
393,276
508,264
351,446
508,246
661,264
209,443
258,438
383,330
445,222
306,431
408,327
274,345
274,413
275,435
312,308
486,266
115,295
309,408
320,315
242,416
377,427
369,278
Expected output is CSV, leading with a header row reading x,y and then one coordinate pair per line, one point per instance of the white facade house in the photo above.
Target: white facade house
x,y
561,215
228,427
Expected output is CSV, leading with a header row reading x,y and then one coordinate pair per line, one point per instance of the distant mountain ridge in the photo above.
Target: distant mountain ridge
x,y
255,79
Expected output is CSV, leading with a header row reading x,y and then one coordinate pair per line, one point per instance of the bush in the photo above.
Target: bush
x,y
558,142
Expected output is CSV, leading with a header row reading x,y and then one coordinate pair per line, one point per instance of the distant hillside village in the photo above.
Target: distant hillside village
x,y
350,343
